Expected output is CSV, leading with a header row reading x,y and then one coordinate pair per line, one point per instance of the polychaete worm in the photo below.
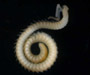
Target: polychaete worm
x,y
48,48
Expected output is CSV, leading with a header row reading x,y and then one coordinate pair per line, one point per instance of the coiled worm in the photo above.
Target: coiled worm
x,y
47,56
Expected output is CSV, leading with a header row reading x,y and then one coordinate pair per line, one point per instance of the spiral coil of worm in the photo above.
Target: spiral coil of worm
x,y
47,56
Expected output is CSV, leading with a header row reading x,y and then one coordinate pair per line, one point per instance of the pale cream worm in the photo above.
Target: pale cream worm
x,y
47,56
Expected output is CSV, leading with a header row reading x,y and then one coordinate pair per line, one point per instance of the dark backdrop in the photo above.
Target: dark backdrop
x,y
73,41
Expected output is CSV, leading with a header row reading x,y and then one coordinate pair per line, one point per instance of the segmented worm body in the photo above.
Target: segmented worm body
x,y
47,56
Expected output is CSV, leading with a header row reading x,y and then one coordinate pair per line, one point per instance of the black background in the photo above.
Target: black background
x,y
73,41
